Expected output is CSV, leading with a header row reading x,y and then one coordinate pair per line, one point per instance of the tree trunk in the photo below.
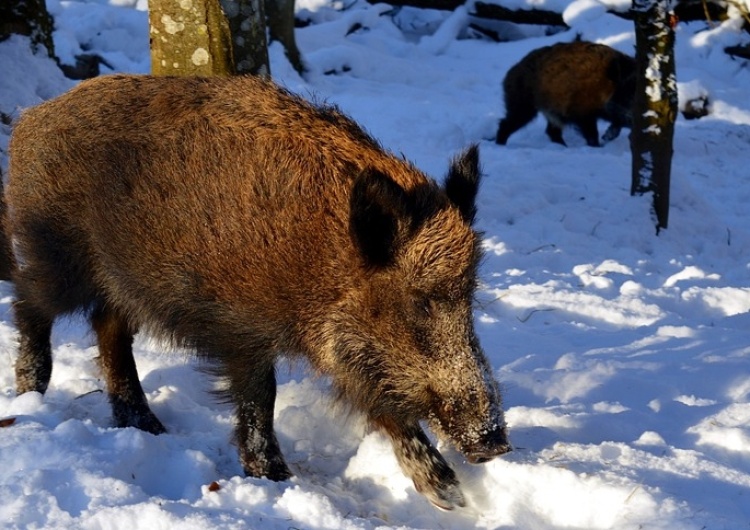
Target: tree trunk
x,y
189,38
30,18
654,105
247,25
281,28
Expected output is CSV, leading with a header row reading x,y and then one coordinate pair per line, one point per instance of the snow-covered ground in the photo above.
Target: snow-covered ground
x,y
624,356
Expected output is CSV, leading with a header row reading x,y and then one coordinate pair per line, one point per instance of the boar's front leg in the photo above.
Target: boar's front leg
x,y
421,461
34,364
129,404
254,395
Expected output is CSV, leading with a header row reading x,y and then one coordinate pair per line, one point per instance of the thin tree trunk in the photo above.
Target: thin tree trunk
x,y
247,25
281,28
655,104
189,38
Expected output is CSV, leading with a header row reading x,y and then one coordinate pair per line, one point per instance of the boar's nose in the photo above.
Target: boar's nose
x,y
492,444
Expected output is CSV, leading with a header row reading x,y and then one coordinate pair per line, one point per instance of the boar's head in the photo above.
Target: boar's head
x,y
406,345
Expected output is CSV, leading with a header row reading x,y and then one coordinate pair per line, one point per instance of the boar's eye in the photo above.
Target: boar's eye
x,y
425,306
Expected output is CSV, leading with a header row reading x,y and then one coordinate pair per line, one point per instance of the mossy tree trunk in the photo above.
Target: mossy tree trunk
x,y
655,104
189,37
30,18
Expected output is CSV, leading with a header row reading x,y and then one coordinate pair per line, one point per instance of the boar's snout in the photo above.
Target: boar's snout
x,y
493,443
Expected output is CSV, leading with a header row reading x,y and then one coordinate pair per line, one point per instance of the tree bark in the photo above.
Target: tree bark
x,y
189,38
247,25
30,18
654,105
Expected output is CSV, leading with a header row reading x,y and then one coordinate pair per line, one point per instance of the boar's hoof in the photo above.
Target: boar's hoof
x,y
612,132
144,420
279,472
275,469
446,494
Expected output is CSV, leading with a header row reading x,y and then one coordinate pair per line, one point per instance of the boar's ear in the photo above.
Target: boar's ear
x,y
462,182
378,208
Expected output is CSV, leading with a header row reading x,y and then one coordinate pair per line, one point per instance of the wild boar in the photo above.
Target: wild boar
x,y
570,83
236,219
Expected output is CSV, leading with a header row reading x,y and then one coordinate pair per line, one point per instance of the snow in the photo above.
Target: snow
x,y
623,355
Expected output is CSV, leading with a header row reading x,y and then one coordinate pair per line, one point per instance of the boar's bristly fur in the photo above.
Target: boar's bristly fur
x,y
570,83
234,218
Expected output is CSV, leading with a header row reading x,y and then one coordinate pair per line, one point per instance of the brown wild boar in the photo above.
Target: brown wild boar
x,y
570,83
238,220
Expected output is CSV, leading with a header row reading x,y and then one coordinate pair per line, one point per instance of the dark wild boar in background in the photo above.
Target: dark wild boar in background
x,y
570,83
238,220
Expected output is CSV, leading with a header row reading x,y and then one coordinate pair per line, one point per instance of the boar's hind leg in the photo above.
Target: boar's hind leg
x,y
421,461
254,395
555,133
34,363
129,405
517,116
612,132
589,130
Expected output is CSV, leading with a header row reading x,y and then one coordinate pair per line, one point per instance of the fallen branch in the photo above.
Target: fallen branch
x,y
527,317
519,16
739,51
686,11
445,5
